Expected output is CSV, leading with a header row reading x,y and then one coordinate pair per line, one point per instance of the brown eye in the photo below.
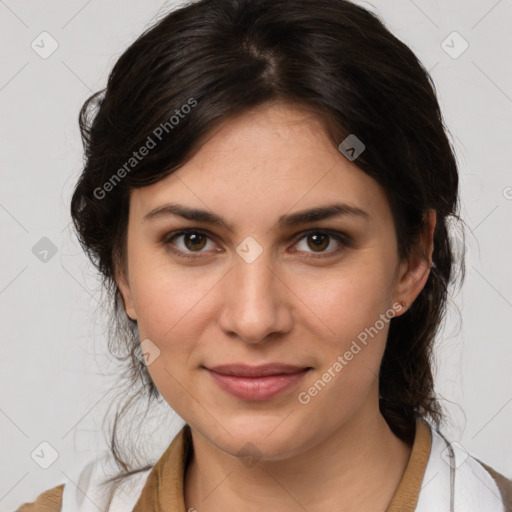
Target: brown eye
x,y
318,241
186,243
194,241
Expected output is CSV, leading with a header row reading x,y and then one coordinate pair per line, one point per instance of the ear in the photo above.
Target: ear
x,y
123,285
414,272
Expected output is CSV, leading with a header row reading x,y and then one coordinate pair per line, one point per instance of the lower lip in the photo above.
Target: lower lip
x,y
257,388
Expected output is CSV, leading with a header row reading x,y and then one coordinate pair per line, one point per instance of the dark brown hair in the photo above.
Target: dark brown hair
x,y
224,57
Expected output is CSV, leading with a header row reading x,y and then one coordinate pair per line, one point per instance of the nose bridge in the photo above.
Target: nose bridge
x,y
254,280
254,304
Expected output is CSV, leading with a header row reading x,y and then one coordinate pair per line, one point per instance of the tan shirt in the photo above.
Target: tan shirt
x,y
163,490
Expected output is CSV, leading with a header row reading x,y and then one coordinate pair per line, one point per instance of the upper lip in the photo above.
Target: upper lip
x,y
243,370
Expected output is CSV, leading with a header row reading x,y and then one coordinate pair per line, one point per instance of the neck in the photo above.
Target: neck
x,y
358,467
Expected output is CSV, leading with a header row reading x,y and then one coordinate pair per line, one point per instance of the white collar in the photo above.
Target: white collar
x,y
454,481
87,495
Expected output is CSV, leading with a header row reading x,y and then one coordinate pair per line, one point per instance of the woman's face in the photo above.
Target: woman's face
x,y
265,286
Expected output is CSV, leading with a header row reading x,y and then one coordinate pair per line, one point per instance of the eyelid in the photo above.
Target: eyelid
x,y
344,239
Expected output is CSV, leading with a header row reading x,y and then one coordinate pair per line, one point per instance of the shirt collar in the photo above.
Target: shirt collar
x,y
163,490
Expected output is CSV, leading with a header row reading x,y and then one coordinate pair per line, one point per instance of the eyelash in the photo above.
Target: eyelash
x,y
342,238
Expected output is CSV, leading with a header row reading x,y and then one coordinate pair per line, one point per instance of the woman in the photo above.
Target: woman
x,y
266,193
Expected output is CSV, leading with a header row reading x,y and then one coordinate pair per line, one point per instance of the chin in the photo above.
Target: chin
x,y
267,437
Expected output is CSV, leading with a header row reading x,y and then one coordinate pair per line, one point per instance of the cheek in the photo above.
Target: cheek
x,y
350,360
171,311
354,311
167,298
348,300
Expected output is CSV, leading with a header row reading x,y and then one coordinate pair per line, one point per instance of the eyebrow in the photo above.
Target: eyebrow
x,y
302,217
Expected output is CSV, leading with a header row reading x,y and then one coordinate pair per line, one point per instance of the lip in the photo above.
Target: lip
x,y
257,383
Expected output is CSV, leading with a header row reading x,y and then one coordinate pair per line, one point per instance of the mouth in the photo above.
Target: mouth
x,y
257,383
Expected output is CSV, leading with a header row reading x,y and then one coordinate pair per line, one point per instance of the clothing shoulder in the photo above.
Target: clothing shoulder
x,y
504,485
459,481
92,492
48,501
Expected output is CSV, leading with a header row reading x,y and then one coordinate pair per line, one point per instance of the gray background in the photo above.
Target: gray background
x,y
53,358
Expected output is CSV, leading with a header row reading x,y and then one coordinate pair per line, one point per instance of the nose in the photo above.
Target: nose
x,y
255,302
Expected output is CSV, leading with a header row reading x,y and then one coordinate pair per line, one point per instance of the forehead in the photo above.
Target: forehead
x,y
262,164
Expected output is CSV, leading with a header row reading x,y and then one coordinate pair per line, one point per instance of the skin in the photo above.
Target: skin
x,y
295,304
